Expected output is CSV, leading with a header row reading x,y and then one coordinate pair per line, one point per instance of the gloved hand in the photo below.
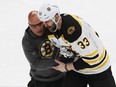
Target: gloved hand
x,y
67,52
64,51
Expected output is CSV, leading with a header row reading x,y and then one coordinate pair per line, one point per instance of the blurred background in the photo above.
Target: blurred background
x,y
14,67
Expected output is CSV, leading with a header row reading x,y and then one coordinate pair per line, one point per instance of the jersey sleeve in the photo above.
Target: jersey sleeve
x,y
94,37
72,28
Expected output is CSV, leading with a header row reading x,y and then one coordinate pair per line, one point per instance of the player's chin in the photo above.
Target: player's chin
x,y
52,29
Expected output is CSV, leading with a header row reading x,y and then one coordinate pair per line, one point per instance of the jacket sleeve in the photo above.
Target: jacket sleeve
x,y
34,58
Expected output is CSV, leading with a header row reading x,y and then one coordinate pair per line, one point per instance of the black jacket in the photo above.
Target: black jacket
x,y
41,54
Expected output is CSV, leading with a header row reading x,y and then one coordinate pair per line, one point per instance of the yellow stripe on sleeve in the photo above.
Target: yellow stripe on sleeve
x,y
77,19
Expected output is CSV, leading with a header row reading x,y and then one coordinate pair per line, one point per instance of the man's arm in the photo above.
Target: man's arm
x,y
34,57
63,67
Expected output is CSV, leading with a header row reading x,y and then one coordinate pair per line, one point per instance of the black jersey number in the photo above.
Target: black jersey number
x,y
84,43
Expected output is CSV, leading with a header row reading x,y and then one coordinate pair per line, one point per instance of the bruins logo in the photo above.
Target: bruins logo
x,y
47,49
71,30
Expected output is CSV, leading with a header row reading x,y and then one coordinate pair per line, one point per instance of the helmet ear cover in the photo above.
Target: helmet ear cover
x,y
48,11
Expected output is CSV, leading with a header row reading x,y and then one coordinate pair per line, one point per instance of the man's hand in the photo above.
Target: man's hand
x,y
63,67
60,66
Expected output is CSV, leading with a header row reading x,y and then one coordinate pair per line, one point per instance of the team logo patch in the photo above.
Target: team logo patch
x,y
46,49
70,30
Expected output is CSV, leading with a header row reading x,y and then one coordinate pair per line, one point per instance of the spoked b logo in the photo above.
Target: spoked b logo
x,y
47,49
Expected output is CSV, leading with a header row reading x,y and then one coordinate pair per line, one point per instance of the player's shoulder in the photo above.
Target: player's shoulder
x,y
69,15
65,15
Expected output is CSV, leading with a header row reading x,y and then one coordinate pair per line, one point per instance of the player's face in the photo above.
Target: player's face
x,y
50,25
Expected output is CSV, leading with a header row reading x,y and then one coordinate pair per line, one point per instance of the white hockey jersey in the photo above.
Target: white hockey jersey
x,y
82,39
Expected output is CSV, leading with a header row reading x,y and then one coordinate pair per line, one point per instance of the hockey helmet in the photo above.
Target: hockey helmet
x,y
48,11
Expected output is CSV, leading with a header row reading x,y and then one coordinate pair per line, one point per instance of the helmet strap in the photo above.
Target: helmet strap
x,y
56,23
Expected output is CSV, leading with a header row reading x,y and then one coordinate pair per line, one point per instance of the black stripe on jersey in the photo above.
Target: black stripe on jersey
x,y
81,64
90,58
100,61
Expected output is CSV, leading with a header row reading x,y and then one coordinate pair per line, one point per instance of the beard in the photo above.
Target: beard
x,y
54,28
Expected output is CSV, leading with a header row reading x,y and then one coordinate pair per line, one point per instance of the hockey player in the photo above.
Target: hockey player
x,y
76,39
